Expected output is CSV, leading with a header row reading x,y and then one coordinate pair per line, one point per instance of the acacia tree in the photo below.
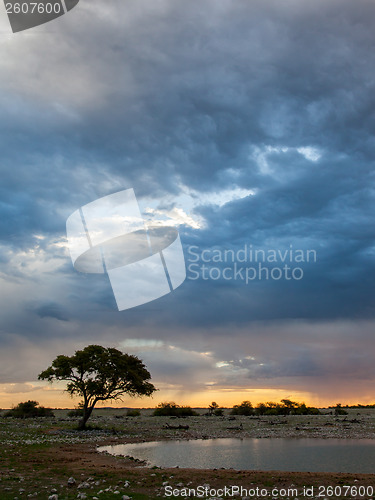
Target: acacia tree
x,y
212,407
97,374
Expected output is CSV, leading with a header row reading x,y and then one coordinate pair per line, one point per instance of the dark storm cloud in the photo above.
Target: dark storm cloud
x,y
160,103
51,310
274,97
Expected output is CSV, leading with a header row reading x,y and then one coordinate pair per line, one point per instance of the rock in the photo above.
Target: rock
x,y
53,497
83,485
71,481
125,497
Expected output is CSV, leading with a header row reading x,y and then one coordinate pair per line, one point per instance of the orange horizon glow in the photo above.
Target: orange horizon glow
x,y
226,398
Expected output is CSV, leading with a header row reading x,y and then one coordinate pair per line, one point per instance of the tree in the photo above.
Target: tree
x,y
212,407
97,374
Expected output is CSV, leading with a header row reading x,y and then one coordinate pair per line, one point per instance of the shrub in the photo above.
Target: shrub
x,y
77,412
219,412
272,411
339,410
214,409
305,410
245,408
173,410
29,409
260,409
133,413
312,411
286,407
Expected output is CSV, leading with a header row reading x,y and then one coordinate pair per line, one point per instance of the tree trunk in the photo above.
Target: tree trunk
x,y
86,415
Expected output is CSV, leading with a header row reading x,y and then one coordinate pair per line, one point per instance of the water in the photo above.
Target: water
x,y
286,454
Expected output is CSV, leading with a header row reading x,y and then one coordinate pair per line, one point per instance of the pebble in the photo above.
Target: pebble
x,y
83,486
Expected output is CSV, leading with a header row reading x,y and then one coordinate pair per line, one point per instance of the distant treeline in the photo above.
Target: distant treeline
x,y
352,407
31,409
285,407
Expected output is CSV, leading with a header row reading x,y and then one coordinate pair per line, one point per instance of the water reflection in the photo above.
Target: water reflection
x,y
304,455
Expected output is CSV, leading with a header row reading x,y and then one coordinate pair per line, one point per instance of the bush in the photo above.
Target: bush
x,y
29,409
173,410
272,411
260,409
286,407
312,411
305,410
219,412
339,410
245,408
77,412
133,413
214,409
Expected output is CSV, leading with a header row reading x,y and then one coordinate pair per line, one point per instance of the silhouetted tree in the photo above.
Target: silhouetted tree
x,y
98,374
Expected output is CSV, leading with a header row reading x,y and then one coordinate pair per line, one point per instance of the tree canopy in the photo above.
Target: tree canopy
x,y
98,373
286,407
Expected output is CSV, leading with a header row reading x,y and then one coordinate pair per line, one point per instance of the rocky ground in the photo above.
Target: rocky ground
x,y
49,459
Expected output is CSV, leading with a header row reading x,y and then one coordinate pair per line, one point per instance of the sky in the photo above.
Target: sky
x,y
249,126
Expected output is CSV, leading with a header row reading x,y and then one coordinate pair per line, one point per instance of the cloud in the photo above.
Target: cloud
x,y
51,310
18,388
